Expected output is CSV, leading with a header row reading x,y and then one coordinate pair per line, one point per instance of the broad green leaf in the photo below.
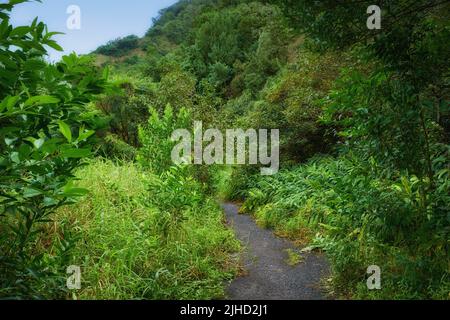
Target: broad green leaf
x,y
48,35
9,141
31,193
51,145
41,100
65,130
38,143
15,157
20,31
52,44
8,103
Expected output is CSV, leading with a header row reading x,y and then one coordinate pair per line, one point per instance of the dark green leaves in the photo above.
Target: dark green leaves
x,y
54,45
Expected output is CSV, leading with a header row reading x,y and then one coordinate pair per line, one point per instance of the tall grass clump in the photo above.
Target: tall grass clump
x,y
141,236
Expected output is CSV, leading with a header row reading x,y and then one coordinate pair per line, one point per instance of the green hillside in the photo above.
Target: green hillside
x,y
364,121
370,109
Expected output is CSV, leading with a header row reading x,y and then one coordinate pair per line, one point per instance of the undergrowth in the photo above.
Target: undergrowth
x,y
359,220
141,236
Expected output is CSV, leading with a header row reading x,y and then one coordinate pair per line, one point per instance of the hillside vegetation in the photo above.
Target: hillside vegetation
x,y
364,119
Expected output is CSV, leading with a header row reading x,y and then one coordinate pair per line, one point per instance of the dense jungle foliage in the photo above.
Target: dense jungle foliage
x,y
86,175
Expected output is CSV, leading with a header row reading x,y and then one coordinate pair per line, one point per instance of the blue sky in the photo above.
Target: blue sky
x,y
101,20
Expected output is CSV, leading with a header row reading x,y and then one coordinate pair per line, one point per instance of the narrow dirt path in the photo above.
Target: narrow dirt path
x,y
268,274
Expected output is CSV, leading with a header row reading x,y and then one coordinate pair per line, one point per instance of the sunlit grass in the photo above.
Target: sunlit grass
x,y
130,247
